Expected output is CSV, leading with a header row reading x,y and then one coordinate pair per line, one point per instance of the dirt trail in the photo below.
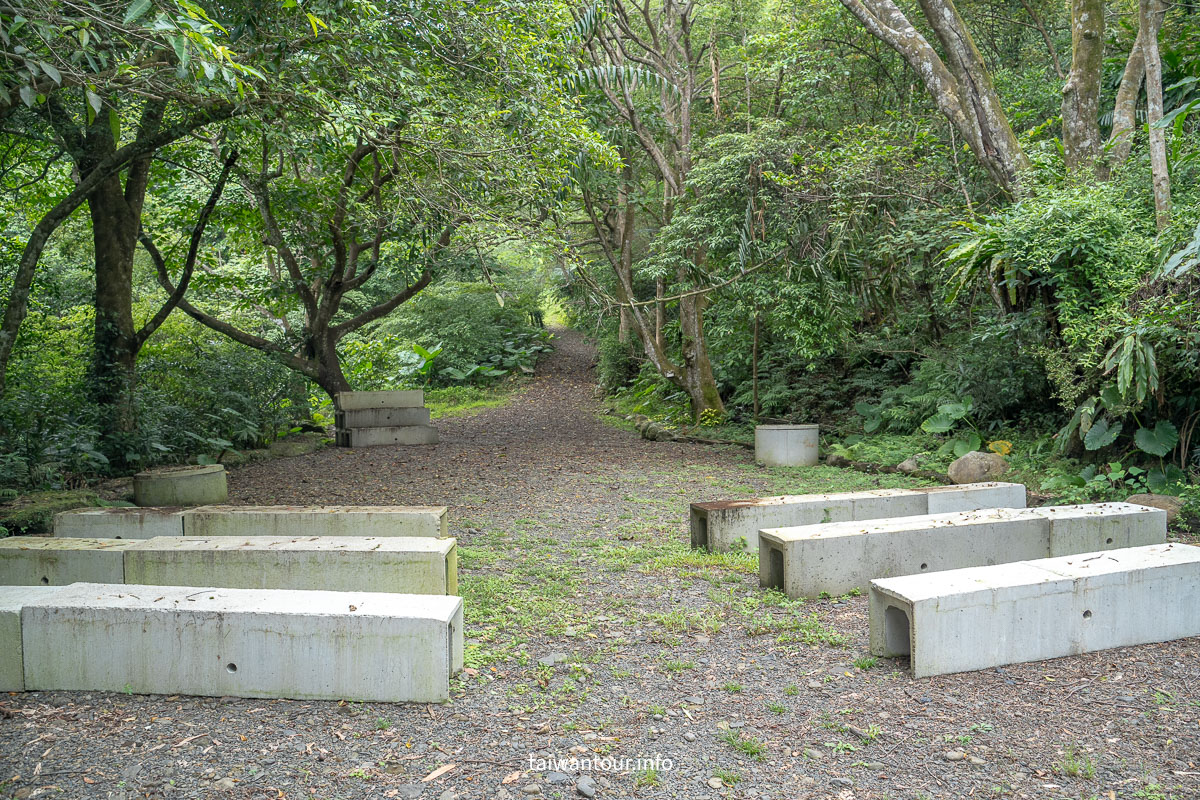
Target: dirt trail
x,y
595,632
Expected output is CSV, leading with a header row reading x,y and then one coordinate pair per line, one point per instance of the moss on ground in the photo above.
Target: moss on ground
x,y
34,512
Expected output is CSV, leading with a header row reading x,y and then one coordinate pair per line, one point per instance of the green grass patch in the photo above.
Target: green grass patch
x,y
463,401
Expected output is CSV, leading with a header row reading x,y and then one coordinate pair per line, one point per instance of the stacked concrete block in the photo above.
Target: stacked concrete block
x,y
304,645
726,525
837,557
207,521
983,617
346,563
119,523
368,419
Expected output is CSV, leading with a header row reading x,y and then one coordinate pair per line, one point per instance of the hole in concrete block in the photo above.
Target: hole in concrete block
x,y
1087,615
1108,540
896,632
45,581
924,566
775,570
231,668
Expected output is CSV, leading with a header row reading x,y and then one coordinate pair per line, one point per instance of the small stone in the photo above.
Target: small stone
x,y
657,717
410,791
503,794
955,755
815,755
586,786
814,684
807,780
977,761
511,609
909,465
448,795
694,699
531,789
552,659
224,784
875,766
841,783
1127,698
557,778
689,737
977,467
715,783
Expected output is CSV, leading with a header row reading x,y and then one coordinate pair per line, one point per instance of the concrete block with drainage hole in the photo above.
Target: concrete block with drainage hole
x,y
413,565
119,523
303,645
725,525
358,401
983,617
316,521
838,557
38,560
380,437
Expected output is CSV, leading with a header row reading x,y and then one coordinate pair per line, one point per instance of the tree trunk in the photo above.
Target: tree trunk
x,y
1120,141
1081,94
697,376
1150,17
114,234
329,367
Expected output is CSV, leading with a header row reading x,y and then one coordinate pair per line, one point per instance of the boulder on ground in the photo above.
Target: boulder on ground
x,y
1171,505
977,467
909,465
834,460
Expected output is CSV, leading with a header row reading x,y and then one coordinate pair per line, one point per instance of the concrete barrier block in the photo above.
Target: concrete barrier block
x,y
303,645
805,561
984,617
725,524
285,521
357,401
38,560
382,417
12,663
119,523
836,558
1103,526
338,564
974,496
181,486
379,437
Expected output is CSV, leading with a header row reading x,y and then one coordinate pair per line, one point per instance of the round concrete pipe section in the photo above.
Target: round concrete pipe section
x,y
786,445
181,486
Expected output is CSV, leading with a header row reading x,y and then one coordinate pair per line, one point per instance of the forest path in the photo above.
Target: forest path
x,y
594,631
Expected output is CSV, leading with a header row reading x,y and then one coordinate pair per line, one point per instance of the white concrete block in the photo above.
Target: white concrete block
x,y
38,560
787,445
379,437
369,646
1103,526
835,558
286,521
356,401
382,417
338,564
726,525
983,617
119,523
12,664
974,496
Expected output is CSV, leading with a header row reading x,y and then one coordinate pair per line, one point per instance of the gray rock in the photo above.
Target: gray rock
x,y
834,460
410,791
223,785
909,465
954,755
1169,504
694,699
976,467
841,783
586,786
814,754
689,737
557,778
552,659
977,761
876,765
448,795
531,789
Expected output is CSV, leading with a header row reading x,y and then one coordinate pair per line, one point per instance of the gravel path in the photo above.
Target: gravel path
x,y
595,633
